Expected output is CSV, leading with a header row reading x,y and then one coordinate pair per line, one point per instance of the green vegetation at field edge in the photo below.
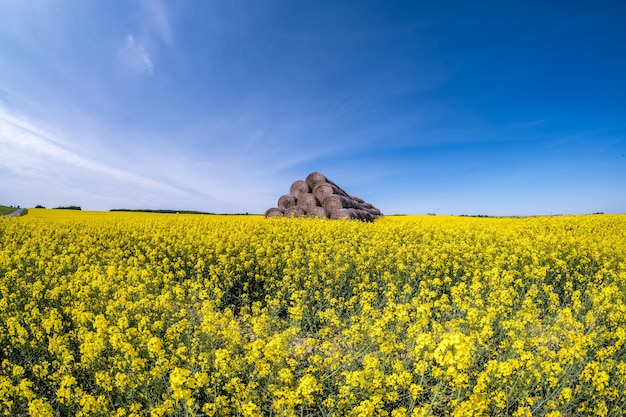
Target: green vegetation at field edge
x,y
7,209
166,211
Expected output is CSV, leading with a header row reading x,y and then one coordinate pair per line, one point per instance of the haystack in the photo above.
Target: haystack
x,y
317,196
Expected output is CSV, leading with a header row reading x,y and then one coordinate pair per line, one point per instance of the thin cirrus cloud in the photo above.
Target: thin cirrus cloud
x,y
134,58
156,20
26,148
154,25
43,167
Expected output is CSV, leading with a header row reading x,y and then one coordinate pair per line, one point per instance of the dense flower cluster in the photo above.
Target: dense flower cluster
x,y
130,314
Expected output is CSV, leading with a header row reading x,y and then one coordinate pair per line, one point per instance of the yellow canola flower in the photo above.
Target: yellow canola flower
x,y
181,383
154,314
308,387
40,408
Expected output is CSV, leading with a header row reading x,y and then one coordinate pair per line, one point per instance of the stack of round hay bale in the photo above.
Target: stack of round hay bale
x,y
317,196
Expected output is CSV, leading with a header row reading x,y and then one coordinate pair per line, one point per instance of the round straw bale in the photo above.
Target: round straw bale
x,y
341,213
336,201
317,212
286,201
340,191
318,196
299,187
366,216
295,211
357,205
324,189
307,201
360,214
315,178
275,212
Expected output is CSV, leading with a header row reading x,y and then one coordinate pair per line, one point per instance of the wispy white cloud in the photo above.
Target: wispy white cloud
x,y
38,167
156,20
134,57
25,148
153,28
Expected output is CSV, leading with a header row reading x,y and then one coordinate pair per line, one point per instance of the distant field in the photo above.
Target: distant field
x,y
6,210
116,313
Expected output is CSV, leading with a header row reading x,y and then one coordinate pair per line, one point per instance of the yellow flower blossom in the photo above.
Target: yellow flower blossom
x,y
40,408
137,314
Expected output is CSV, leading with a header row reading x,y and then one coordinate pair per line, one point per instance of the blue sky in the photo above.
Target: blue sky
x,y
498,108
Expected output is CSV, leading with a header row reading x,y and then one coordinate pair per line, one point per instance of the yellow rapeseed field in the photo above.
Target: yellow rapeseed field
x,y
129,314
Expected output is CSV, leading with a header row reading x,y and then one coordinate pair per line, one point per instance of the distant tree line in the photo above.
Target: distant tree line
x,y
176,212
162,211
